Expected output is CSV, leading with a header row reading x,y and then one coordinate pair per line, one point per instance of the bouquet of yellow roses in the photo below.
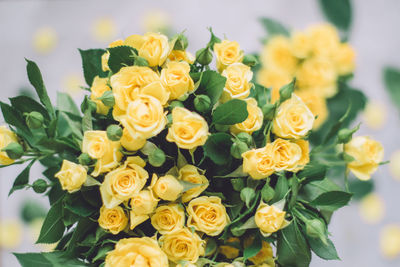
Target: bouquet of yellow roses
x,y
170,163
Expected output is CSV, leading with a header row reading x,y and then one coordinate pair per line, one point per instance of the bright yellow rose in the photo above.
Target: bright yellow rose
x,y
270,218
305,154
142,204
293,119
106,56
99,147
259,163
182,245
138,252
265,255
168,218
99,86
154,47
71,176
230,250
208,215
254,120
188,130
6,137
179,55
286,154
166,187
317,105
176,79
130,143
190,173
238,77
113,219
277,54
324,39
273,78
301,44
344,59
367,154
227,53
124,182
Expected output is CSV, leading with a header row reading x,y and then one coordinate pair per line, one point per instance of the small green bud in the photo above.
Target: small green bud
x,y
247,195
85,159
286,91
267,192
183,97
39,186
169,120
175,104
141,61
157,158
316,228
108,98
114,132
202,103
87,103
221,127
238,148
268,111
245,137
14,150
345,135
237,184
181,42
204,56
250,60
34,120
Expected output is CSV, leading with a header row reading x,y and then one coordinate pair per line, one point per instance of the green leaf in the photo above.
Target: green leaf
x,y
232,112
53,226
273,27
316,188
292,248
77,204
67,104
281,189
13,117
313,172
211,84
332,200
325,251
391,77
217,148
91,63
261,93
211,246
102,253
27,104
22,179
121,56
49,259
87,124
338,12
254,248
361,188
80,232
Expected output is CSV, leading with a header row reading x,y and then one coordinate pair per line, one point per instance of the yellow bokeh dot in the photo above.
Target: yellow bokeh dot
x,y
390,241
156,21
104,29
394,165
45,40
10,234
375,114
72,83
372,208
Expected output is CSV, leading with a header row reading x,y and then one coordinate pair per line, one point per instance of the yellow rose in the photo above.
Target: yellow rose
x,y
259,163
142,204
168,218
273,78
166,187
344,59
227,53
188,130
190,173
305,154
254,120
6,137
130,143
265,255
182,245
208,215
238,77
286,154
301,44
113,219
124,182
317,105
277,54
367,154
293,119
324,39
144,117
99,86
270,218
138,252
230,250
71,176
154,47
106,56
179,55
176,79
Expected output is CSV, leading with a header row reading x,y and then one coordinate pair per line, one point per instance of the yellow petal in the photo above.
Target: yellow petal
x,y
372,208
390,241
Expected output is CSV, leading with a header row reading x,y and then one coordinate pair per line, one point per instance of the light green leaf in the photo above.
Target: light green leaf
x,y
49,259
274,27
338,12
232,112
325,251
87,124
391,77
67,104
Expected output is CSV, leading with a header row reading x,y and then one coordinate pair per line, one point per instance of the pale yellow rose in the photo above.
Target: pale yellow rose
x,y
301,44
227,53
166,187
182,245
71,176
138,252
168,218
99,87
273,78
259,163
190,173
113,220
253,121
188,130
228,250
293,119
237,85
345,59
265,255
270,218
277,54
286,155
142,204
154,47
317,105
367,154
305,154
6,137
124,182
179,55
324,39
176,79
99,147
130,143
208,215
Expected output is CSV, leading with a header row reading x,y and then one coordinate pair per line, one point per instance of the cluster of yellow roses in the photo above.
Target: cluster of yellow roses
x,y
316,57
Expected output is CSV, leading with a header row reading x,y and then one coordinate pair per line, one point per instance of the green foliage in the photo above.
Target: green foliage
x,y
91,63
391,77
273,27
211,83
49,259
22,179
253,248
323,250
232,112
53,227
339,12
360,188
332,200
217,148
121,56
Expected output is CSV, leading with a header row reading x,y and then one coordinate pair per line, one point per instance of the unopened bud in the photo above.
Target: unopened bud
x,y
108,98
345,135
39,186
204,56
286,91
238,148
237,184
85,159
175,104
316,228
245,137
268,111
34,120
114,132
181,42
157,158
250,60
202,103
14,150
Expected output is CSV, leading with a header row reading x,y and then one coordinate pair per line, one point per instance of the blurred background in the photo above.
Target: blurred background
x,y
49,32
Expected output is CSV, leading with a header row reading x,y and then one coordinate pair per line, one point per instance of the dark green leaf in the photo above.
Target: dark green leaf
x,y
27,104
232,112
87,124
211,84
338,12
67,104
53,226
48,259
273,27
254,248
102,253
80,232
217,148
322,250
13,117
391,77
312,172
332,200
316,188
22,179
361,188
281,189
78,205
261,93
91,62
121,56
